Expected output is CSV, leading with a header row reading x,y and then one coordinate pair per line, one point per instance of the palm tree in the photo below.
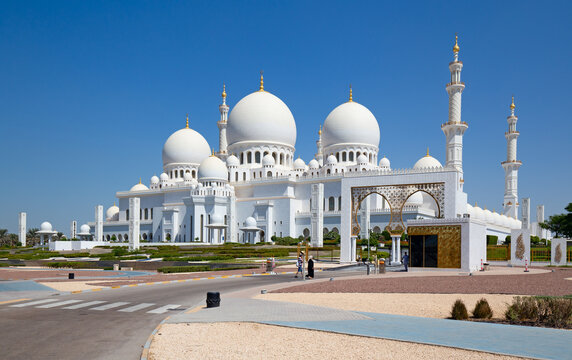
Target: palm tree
x,y
32,237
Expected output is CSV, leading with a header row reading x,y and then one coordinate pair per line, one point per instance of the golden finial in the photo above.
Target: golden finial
x,y
427,152
456,48
320,131
187,122
512,106
113,202
351,94
224,90
476,204
261,81
139,180
212,153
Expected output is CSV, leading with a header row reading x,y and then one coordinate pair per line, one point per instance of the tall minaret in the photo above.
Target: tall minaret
x,y
320,153
222,144
455,128
511,166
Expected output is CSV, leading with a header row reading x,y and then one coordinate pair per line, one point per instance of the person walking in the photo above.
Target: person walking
x,y
299,266
310,268
406,261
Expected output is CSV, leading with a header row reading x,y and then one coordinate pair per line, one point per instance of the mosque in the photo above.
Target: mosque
x,y
254,187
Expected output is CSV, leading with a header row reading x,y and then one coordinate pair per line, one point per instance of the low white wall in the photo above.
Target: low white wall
x,y
558,243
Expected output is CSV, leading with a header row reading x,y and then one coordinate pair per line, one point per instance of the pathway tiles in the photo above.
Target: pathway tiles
x,y
488,337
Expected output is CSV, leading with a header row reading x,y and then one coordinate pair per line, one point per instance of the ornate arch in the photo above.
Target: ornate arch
x,y
396,196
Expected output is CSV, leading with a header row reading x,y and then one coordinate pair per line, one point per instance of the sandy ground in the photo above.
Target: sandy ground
x,y
74,285
423,305
258,341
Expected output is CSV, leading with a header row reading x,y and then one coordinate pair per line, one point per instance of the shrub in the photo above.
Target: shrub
x,y
549,311
492,239
71,265
459,311
482,310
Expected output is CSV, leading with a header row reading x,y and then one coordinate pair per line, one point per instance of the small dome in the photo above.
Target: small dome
x,y
46,226
314,164
470,210
232,161
139,187
505,221
497,218
213,168
427,161
351,123
217,219
185,146
111,212
384,163
415,200
84,229
187,176
250,222
331,160
362,159
164,177
478,213
154,179
268,160
488,216
299,164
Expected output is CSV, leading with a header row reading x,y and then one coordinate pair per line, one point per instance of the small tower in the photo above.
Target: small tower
x,y
455,128
320,151
222,123
511,166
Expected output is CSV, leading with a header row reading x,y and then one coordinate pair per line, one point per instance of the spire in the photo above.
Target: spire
x,y
223,93
187,122
512,106
351,94
320,131
427,155
261,81
139,180
456,48
212,152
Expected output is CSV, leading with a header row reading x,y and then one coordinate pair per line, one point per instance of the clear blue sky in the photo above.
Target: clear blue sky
x,y
90,90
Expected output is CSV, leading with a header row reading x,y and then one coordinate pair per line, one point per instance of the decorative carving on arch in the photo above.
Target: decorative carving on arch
x,y
396,196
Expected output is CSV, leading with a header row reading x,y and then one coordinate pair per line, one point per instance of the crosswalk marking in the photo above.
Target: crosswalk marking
x,y
90,303
163,309
110,306
47,306
37,302
136,307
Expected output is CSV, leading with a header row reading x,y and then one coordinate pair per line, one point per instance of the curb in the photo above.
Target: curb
x,y
147,345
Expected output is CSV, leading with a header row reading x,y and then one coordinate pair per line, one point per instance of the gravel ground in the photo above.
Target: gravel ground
x,y
549,283
29,274
258,341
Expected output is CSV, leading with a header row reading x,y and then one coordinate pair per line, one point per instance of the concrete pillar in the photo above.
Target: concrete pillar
x,y
73,229
395,249
232,231
558,252
317,215
99,222
519,247
22,228
134,223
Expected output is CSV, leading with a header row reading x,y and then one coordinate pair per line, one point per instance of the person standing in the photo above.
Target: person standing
x,y
299,266
406,261
311,267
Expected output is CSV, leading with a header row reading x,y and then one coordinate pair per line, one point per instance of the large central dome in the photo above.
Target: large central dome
x,y
185,146
261,117
351,123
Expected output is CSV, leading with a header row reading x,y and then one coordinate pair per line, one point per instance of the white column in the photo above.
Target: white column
x,y
398,240
232,228
99,222
392,249
525,213
73,229
511,166
317,215
22,228
134,223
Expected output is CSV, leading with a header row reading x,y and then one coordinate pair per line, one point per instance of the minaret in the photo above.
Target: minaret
x,y
511,166
222,123
455,128
320,153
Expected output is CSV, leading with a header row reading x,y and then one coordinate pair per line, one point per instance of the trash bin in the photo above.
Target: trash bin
x,y
269,265
381,266
71,276
213,299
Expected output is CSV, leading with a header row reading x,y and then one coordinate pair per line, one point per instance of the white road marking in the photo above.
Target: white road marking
x,y
110,306
47,306
37,302
136,307
163,309
79,306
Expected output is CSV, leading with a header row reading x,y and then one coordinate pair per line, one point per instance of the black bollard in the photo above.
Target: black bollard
x,y
213,299
71,276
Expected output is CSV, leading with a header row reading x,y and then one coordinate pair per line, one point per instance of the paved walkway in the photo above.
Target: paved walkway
x,y
494,338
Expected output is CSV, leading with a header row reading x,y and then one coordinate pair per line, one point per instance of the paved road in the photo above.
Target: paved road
x,y
113,324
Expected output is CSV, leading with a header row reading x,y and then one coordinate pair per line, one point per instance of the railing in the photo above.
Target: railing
x,y
498,252
569,255
540,254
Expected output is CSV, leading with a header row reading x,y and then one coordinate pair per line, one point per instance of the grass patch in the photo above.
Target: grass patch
x,y
71,265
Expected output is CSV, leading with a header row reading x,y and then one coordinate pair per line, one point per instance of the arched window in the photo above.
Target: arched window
x,y
335,230
243,176
331,203
127,214
257,157
126,237
338,156
328,171
306,233
146,213
281,159
370,158
236,176
351,156
187,171
269,174
325,231
254,174
275,156
144,236
344,156
241,158
193,174
249,157
340,203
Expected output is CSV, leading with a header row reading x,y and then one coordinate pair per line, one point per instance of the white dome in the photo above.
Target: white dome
x,y
268,160
478,213
261,117
213,168
331,160
46,226
299,164
250,222
497,218
216,219
362,159
232,161
139,187
111,212
185,146
505,221
187,176
488,216
154,179
384,163
415,200
427,161
470,210
84,229
351,123
314,164
164,177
